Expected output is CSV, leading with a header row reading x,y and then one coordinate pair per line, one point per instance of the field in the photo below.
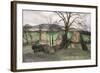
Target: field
x,y
69,53
63,54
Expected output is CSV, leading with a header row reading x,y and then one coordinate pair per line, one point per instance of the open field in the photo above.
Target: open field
x,y
63,54
69,53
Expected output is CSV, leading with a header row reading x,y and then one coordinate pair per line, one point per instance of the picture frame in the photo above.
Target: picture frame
x,y
28,17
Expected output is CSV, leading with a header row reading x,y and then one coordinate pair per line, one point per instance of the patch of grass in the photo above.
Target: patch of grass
x,y
60,55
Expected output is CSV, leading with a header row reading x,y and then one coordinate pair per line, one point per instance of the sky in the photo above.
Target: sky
x,y
33,17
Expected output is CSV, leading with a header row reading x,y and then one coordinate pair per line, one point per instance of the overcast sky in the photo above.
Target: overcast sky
x,y
40,17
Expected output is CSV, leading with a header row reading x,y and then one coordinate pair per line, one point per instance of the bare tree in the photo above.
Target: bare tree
x,y
69,19
51,23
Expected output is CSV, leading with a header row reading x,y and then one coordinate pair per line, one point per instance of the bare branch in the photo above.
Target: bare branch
x,y
59,15
68,19
73,21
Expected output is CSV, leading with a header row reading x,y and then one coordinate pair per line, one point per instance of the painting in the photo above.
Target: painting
x,y
53,36
49,36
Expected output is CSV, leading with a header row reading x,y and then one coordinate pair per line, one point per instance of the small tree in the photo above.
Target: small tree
x,y
52,27
50,31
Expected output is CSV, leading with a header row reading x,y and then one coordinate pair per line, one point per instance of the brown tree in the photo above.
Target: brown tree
x,y
69,19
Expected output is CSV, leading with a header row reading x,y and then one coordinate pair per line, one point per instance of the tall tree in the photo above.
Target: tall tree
x,y
69,19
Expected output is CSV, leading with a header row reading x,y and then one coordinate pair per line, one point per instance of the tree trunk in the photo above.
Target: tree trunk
x,y
65,41
83,44
52,38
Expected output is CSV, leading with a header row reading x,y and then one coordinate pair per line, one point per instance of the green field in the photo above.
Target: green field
x,y
61,55
64,54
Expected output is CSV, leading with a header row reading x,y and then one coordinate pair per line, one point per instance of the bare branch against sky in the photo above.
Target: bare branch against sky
x,y
42,17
